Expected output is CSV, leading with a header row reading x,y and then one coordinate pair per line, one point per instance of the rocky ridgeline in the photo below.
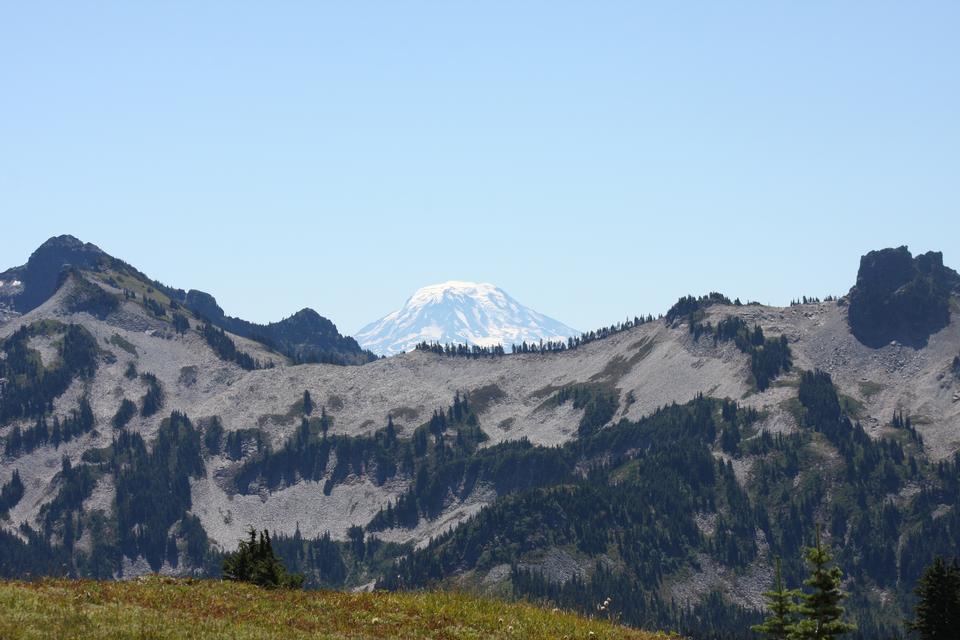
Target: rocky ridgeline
x,y
899,298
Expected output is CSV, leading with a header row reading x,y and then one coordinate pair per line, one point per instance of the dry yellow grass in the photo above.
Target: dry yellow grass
x,y
166,608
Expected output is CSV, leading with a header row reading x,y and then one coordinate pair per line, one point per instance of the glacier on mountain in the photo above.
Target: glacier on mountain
x,y
475,313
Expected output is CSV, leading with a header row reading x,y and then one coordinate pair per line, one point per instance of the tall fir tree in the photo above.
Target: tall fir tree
x,y
937,613
820,614
307,403
781,602
324,421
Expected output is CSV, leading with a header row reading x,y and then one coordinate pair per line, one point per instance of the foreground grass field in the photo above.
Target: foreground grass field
x,y
165,608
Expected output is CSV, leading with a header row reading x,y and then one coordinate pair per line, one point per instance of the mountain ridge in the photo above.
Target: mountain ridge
x,y
899,297
471,449
39,277
304,336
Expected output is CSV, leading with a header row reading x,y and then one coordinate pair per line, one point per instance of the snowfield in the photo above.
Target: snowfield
x,y
460,312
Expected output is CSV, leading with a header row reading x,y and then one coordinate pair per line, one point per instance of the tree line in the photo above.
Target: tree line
x,y
226,348
542,346
812,300
10,493
55,432
31,386
769,357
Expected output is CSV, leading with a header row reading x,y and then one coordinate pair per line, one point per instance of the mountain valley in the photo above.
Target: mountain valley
x,y
669,458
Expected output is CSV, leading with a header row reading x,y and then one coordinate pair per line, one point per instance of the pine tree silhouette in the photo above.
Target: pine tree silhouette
x,y
820,610
254,561
782,605
937,613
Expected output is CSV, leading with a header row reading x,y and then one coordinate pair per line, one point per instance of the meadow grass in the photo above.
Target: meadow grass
x,y
156,607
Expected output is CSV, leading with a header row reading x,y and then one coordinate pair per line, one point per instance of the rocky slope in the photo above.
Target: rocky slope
x,y
646,366
650,365
305,336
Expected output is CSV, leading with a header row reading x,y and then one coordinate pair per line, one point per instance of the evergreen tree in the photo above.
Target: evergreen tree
x,y
11,493
357,546
324,422
821,614
180,323
782,605
14,441
124,414
307,403
938,609
152,400
391,432
255,561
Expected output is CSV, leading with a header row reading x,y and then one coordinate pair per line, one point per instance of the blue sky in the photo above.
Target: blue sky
x,y
595,159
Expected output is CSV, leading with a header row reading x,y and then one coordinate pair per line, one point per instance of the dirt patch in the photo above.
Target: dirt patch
x,y
406,414
619,366
295,410
119,341
869,389
615,369
334,403
484,396
543,392
188,376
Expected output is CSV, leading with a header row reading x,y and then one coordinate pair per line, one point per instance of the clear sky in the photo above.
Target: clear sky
x,y
594,159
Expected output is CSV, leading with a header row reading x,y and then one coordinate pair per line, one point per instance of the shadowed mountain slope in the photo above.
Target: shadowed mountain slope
x,y
306,336
901,298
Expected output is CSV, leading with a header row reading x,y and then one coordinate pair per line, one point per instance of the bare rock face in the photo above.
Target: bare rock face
x,y
901,298
41,276
204,304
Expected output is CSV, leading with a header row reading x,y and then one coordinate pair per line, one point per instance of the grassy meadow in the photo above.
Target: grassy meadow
x,y
156,607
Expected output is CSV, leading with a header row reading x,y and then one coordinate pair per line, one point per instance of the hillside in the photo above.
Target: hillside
x,y
399,450
165,608
305,336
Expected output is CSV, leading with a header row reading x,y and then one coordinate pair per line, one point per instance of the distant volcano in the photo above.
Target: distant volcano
x,y
460,312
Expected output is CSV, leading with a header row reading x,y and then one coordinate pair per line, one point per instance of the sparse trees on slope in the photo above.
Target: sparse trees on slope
x,y
180,323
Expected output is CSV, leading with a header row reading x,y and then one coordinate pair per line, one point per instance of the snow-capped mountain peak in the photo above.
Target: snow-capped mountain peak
x,y
460,312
